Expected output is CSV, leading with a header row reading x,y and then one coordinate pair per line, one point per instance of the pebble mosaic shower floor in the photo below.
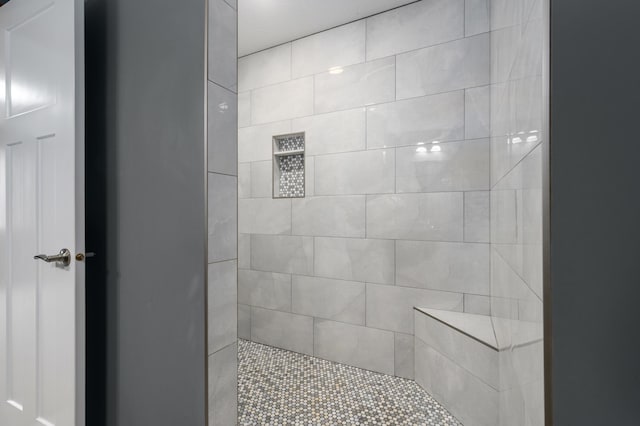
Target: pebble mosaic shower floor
x,y
278,387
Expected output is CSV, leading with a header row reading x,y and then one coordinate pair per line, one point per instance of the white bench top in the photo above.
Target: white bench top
x,y
481,328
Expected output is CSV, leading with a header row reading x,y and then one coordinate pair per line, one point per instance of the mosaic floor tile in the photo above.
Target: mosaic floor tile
x,y
278,387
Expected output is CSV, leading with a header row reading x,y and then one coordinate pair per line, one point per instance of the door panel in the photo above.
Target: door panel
x,y
41,212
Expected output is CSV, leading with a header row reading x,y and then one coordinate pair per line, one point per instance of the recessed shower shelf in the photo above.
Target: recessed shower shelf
x,y
284,153
289,166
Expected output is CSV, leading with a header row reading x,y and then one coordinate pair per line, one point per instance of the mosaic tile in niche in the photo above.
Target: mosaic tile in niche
x,y
290,142
291,176
289,162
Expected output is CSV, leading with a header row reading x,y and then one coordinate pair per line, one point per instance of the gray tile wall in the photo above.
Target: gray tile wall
x,y
224,316
517,135
396,110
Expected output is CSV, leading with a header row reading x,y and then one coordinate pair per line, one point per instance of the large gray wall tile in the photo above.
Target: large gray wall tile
x,y
458,267
244,322
404,359
354,345
223,217
267,290
418,25
391,307
338,47
423,365
356,85
223,56
244,109
477,109
309,176
282,101
255,143
244,251
223,386
222,131
436,216
477,216
331,299
244,180
222,304
283,330
468,398
506,13
330,216
364,172
340,131
355,259
286,254
477,17
455,65
264,216
270,66
475,357
452,166
262,179
479,305
416,121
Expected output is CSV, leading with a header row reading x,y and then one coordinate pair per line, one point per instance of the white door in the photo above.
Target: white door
x,y
41,212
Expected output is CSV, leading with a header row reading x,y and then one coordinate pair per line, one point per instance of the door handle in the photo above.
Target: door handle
x,y
63,258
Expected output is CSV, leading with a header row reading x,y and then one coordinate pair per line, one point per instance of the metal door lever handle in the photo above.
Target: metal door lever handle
x,y
63,258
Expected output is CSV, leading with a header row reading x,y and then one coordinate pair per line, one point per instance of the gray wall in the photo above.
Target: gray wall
x,y
147,84
390,220
595,209
222,165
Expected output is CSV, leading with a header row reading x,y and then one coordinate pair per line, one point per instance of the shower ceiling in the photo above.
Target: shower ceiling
x,y
267,23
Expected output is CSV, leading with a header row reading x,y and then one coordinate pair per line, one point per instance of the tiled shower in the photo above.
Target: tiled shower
x,y
395,163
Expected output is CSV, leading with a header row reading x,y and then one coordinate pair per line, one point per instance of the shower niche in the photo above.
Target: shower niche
x,y
289,165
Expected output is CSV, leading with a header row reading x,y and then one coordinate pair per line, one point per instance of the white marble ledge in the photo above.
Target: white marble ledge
x,y
478,327
481,328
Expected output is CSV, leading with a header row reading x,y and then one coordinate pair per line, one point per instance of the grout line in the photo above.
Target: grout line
x,y
291,61
313,336
524,157
222,87
366,38
517,274
395,260
402,286
366,106
209,172
366,61
221,349
366,304
221,261
329,29
366,225
362,151
369,238
334,320
464,18
464,217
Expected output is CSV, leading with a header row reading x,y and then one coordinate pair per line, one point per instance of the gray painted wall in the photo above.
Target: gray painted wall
x,y
594,168
151,159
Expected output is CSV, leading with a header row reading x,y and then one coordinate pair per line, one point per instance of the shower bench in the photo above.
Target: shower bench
x,y
457,357
456,361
